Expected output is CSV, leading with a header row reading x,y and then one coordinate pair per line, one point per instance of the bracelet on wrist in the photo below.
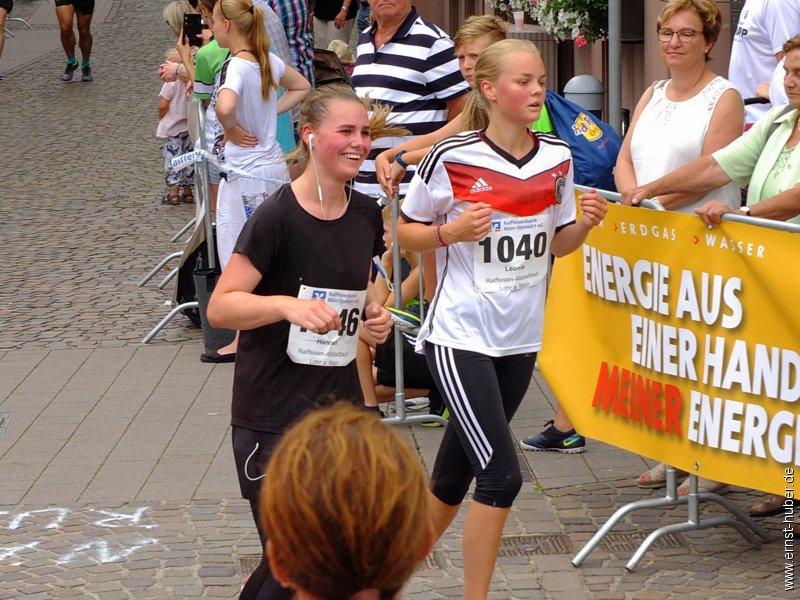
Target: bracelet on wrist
x,y
437,233
344,8
177,69
399,159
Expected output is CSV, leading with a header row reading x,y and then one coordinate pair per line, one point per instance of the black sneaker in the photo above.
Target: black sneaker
x,y
87,73
71,68
551,438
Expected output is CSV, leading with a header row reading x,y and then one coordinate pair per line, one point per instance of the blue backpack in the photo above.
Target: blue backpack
x,y
594,143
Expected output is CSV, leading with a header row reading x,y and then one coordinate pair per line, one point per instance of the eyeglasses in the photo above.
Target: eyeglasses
x,y
684,35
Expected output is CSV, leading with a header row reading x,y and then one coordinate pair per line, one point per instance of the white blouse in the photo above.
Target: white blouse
x,y
670,134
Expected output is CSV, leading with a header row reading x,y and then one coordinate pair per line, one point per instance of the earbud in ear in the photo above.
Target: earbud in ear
x,y
310,138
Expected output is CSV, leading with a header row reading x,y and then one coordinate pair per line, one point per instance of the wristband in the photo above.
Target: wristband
x,y
437,233
344,8
399,159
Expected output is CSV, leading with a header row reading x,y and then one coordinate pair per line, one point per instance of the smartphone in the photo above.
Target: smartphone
x,y
193,27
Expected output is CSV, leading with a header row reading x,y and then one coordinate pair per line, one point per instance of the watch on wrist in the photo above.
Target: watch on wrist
x,y
745,210
399,159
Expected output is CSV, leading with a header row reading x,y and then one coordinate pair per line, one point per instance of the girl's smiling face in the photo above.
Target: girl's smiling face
x,y
341,140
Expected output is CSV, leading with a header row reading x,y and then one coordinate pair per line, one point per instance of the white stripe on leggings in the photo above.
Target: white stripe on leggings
x,y
454,389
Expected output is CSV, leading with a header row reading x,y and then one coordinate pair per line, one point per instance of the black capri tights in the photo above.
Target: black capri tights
x,y
482,393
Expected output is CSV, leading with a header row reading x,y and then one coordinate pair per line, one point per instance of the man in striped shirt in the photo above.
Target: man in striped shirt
x,y
410,64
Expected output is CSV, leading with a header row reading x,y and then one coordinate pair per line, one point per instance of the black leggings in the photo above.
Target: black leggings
x,y
482,393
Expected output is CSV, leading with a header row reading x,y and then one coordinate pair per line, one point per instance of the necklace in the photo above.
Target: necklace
x,y
244,50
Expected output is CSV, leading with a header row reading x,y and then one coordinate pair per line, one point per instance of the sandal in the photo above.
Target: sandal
x,y
656,477
704,486
171,200
187,198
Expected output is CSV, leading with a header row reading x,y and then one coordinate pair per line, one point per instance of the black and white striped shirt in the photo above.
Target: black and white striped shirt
x,y
416,73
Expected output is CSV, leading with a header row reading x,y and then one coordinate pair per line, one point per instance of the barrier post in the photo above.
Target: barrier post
x,y
400,416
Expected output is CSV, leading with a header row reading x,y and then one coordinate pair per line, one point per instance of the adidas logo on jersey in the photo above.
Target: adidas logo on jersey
x,y
480,186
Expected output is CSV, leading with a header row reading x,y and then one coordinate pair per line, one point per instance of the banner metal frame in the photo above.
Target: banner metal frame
x,y
738,519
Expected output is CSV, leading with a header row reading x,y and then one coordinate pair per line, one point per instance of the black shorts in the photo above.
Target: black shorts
x,y
415,367
7,5
84,7
251,452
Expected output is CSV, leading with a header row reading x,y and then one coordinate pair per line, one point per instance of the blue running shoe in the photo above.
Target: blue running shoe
x,y
553,439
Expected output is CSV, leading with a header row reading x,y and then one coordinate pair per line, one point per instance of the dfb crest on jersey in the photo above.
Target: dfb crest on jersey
x,y
561,181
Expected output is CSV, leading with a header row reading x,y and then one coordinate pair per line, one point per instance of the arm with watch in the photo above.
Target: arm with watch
x,y
343,14
780,207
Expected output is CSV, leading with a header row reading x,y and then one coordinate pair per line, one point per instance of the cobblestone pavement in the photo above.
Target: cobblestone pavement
x,y
81,216
115,457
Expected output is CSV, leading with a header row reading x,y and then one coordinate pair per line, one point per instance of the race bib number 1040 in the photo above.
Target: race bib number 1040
x,y
514,255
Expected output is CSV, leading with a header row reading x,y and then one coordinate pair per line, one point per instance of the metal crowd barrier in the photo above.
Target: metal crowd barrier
x,y
202,194
400,417
738,519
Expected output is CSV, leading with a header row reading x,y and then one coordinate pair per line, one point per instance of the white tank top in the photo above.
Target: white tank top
x,y
670,134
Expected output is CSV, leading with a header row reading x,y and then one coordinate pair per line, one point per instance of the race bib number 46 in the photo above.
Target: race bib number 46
x,y
335,348
514,255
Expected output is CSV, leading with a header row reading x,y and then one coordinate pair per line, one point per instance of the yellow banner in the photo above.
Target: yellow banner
x,y
681,344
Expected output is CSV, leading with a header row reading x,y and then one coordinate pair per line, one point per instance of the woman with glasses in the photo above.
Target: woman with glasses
x,y
693,113
677,120
764,159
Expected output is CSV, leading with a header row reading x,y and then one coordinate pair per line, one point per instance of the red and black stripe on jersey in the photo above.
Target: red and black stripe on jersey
x,y
505,193
517,195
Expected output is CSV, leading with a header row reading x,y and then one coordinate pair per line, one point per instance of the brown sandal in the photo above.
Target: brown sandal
x,y
171,200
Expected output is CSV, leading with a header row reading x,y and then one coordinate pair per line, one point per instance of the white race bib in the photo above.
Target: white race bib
x,y
514,255
335,348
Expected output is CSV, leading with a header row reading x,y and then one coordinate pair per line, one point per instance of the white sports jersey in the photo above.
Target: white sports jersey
x,y
490,294
764,26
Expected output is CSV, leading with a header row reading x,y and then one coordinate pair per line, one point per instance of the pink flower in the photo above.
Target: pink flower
x,y
580,41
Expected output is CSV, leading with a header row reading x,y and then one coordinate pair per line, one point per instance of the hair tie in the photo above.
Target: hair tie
x,y
368,594
250,9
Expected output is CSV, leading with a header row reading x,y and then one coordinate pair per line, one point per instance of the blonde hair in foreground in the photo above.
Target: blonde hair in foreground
x,y
344,505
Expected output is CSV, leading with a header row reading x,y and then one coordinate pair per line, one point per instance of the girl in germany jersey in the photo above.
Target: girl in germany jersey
x,y
494,204
296,286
